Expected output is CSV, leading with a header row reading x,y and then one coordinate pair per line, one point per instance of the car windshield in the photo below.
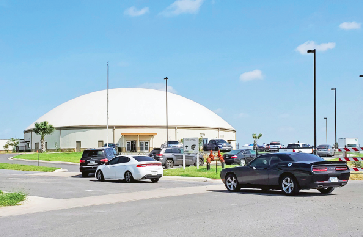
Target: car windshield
x,y
173,142
143,158
234,152
305,157
293,146
323,146
220,141
274,143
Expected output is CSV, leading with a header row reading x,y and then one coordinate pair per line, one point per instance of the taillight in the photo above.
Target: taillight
x,y
293,150
151,164
159,155
340,168
234,157
320,169
104,160
82,161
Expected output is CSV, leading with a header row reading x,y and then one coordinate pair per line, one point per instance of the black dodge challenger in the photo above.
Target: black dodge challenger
x,y
289,172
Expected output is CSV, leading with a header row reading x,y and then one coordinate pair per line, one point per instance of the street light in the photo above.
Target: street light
x,y
167,125
326,130
314,52
335,120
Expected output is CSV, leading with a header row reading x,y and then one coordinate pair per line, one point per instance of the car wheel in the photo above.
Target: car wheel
x,y
155,180
242,162
289,186
128,177
169,164
232,184
84,174
326,190
201,162
99,176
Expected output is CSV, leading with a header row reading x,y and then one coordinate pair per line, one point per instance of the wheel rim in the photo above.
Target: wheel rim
x,y
287,185
99,175
242,162
128,176
170,163
231,182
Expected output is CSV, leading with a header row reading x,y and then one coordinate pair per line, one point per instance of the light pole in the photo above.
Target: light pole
x,y
326,130
314,52
107,109
167,124
335,120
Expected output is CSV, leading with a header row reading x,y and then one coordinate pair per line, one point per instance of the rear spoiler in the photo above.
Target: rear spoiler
x,y
330,163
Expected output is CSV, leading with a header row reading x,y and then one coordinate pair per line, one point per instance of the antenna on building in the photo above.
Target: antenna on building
x,y
107,108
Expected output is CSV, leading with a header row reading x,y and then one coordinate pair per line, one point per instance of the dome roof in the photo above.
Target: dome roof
x,y
132,107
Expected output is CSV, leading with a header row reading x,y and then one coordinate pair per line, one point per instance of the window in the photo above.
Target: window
x,y
128,146
274,160
305,157
123,159
260,162
143,158
141,146
176,150
114,161
146,146
169,150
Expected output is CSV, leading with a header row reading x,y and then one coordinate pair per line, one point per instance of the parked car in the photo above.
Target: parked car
x,y
215,144
92,158
174,156
130,168
274,146
288,172
267,147
325,150
298,147
240,157
172,144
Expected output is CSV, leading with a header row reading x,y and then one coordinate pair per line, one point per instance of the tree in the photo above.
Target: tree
x,y
13,142
255,138
6,147
43,129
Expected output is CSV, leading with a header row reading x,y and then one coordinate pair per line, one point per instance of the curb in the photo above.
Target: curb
x,y
193,179
44,161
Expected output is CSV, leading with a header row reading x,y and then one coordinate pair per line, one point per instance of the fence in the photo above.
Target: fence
x,y
352,149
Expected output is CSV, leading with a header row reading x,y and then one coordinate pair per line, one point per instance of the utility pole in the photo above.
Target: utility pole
x,y
167,123
107,108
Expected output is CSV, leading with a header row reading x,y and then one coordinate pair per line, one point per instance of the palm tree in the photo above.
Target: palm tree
x,y
42,129
255,138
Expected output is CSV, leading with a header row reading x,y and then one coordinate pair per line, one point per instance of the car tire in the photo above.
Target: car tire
x,y
128,177
99,176
201,162
231,183
326,190
169,164
155,180
84,174
289,186
242,162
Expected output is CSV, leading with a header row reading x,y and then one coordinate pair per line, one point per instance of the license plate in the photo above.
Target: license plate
x,y
333,179
154,172
92,162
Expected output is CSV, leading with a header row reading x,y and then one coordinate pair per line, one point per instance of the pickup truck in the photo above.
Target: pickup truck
x,y
217,144
298,147
174,156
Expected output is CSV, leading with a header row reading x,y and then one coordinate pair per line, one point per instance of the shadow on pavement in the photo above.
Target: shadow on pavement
x,y
273,193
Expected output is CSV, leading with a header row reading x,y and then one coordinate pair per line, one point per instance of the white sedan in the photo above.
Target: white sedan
x,y
130,168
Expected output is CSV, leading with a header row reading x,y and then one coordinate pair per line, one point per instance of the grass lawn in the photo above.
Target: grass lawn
x,y
192,171
73,157
26,167
11,199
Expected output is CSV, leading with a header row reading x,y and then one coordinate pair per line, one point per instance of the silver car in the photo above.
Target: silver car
x,y
325,150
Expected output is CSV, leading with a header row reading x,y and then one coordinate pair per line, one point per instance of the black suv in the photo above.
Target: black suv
x,y
91,158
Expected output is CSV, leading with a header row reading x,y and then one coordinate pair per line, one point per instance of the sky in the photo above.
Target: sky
x,y
244,60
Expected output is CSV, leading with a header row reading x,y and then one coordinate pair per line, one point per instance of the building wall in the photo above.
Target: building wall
x,y
2,144
66,139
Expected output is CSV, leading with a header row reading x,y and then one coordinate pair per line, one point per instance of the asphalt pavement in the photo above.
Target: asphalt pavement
x,y
66,204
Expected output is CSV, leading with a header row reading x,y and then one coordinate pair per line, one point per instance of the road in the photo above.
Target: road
x,y
66,204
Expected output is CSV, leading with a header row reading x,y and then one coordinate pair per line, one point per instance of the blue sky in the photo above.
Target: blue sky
x,y
242,59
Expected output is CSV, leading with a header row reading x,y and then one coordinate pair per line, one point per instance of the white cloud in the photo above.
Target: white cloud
x,y
218,111
303,48
157,86
132,11
349,25
182,6
243,115
252,75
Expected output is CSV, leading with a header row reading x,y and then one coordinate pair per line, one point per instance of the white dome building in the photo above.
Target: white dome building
x,y
137,121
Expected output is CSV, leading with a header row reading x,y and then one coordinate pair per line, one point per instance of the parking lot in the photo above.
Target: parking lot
x,y
65,204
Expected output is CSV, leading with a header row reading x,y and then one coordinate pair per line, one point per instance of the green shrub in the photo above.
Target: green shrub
x,y
358,164
11,199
